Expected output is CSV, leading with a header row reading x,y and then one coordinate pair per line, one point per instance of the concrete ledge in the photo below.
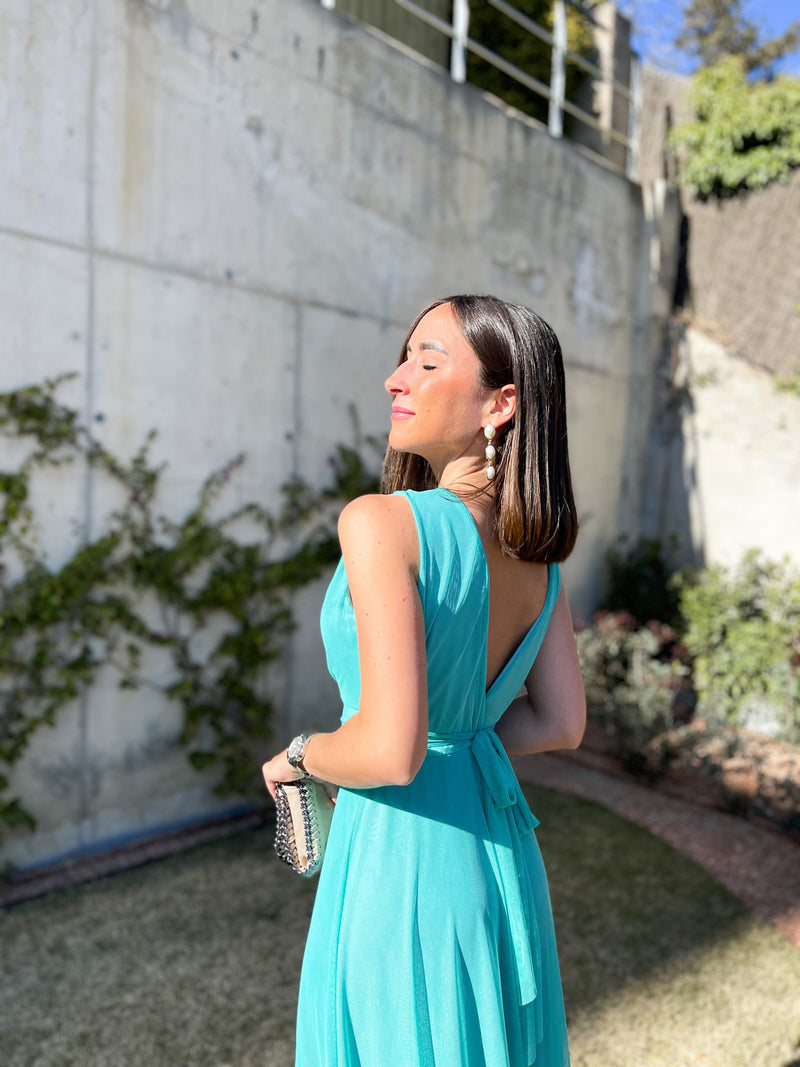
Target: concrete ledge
x,y
26,885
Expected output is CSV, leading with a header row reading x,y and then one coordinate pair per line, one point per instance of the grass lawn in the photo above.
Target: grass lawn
x,y
194,960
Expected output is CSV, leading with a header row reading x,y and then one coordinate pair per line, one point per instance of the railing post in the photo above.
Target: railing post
x,y
458,49
558,70
634,117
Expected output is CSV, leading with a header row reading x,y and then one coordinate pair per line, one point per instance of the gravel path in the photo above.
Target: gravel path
x,y
758,865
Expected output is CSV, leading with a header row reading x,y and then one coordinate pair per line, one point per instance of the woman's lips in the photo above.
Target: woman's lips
x,y
401,413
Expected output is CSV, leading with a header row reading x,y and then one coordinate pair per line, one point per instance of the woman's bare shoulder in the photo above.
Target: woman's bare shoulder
x,y
375,510
379,524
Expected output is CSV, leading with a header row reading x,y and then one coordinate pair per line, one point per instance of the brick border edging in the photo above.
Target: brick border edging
x,y
680,784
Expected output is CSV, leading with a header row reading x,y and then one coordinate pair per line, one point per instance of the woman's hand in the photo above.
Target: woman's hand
x,y
279,769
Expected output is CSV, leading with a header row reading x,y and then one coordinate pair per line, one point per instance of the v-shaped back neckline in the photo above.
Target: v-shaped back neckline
x,y
536,621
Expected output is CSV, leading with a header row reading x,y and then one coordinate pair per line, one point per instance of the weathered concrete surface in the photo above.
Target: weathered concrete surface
x,y
223,216
725,473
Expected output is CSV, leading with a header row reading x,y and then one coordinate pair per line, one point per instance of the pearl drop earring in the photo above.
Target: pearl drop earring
x,y
489,432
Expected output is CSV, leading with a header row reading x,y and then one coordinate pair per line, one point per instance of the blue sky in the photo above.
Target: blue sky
x,y
657,22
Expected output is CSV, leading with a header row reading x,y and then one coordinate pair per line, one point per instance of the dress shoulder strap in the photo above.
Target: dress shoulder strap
x,y
451,561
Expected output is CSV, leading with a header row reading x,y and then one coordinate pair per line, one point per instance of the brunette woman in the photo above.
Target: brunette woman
x,y
432,939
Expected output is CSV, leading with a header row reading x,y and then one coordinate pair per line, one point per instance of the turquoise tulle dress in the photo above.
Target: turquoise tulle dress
x,y
431,941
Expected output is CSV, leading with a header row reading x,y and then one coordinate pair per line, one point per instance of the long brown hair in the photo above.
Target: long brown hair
x,y
534,507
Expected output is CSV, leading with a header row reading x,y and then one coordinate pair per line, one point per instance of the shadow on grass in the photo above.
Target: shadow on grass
x,y
196,959
625,903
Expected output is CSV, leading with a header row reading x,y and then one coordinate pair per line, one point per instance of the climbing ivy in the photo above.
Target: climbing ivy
x,y
212,592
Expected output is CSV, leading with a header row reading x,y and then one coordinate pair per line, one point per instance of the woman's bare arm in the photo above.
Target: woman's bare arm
x,y
553,714
385,741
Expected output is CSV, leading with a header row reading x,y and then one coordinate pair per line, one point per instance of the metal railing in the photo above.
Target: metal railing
x,y
457,29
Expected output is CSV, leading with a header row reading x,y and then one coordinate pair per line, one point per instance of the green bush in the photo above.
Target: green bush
x,y
636,685
639,581
742,630
744,135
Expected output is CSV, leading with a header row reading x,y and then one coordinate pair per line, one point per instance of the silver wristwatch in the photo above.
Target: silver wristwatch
x,y
296,751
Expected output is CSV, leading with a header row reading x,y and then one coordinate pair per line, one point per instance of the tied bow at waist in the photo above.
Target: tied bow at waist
x,y
507,816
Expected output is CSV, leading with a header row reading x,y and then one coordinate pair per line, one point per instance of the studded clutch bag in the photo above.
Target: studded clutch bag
x,y
304,810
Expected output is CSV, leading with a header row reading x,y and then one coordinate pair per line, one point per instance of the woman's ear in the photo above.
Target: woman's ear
x,y
503,405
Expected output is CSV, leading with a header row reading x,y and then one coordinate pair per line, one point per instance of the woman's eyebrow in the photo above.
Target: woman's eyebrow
x,y
430,346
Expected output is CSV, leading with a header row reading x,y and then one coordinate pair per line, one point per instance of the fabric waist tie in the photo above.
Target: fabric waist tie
x,y
507,816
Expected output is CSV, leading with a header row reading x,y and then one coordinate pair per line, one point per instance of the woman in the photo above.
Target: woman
x,y
431,941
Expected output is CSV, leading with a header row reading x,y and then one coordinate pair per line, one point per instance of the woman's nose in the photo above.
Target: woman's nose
x,y
394,383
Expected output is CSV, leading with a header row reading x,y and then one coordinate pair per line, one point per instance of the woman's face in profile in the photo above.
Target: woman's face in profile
x,y
438,403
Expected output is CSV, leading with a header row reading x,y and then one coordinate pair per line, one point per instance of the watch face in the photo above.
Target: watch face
x,y
295,749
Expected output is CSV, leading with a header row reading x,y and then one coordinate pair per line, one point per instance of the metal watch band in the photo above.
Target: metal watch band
x,y
302,756
296,751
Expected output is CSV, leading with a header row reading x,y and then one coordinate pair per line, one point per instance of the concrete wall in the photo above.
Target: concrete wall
x,y
725,458
224,216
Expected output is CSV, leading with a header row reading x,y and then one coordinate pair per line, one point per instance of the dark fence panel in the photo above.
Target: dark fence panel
x,y
403,26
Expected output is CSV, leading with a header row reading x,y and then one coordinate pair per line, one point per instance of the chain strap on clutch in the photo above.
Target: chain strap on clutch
x,y
303,821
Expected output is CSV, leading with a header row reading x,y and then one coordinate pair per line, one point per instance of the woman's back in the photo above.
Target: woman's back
x,y
517,594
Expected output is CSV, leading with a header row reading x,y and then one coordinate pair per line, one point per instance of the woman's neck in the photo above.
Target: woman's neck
x,y
463,474
469,483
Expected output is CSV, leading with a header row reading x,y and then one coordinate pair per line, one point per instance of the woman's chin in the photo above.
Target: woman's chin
x,y
397,442
404,448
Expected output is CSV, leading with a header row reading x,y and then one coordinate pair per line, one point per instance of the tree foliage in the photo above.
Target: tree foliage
x,y
494,30
744,135
714,29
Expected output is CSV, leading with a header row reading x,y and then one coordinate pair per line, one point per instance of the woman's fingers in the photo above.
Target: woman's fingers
x,y
279,769
269,770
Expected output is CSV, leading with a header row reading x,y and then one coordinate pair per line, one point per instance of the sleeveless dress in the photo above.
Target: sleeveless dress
x,y
431,942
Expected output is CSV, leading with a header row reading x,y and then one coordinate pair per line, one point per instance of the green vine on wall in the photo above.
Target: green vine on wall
x,y
212,593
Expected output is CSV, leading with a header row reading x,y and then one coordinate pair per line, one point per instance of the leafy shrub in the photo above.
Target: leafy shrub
x,y
636,685
743,136
495,31
639,581
743,632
